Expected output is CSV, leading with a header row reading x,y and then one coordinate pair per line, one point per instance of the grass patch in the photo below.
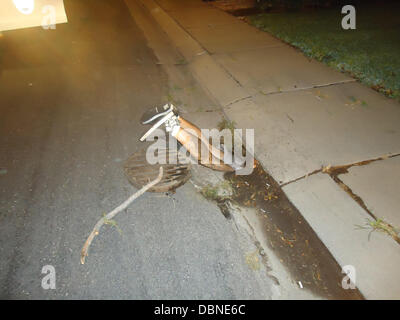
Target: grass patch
x,y
219,192
226,124
382,226
230,125
181,61
371,53
210,192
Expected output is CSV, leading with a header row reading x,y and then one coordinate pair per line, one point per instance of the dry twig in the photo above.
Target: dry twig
x,y
111,214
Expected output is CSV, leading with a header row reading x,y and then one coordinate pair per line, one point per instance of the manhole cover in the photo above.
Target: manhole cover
x,y
139,172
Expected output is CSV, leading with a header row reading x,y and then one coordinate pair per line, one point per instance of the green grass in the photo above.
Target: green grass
x,y
371,53
226,124
382,226
218,192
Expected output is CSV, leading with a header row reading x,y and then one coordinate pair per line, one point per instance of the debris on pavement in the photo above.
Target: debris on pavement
x,y
108,217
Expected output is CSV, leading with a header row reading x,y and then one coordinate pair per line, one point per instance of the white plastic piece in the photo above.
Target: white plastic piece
x,y
159,123
175,130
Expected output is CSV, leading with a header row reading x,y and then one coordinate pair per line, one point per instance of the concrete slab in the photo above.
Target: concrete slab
x,y
182,40
208,72
378,184
334,216
232,37
185,92
299,132
169,5
205,17
277,69
204,120
211,76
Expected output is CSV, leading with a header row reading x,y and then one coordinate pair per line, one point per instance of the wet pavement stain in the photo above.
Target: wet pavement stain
x,y
289,235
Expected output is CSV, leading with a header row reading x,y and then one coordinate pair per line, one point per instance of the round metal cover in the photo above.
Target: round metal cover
x,y
139,172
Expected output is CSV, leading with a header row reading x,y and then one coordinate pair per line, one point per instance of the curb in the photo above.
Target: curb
x,y
206,71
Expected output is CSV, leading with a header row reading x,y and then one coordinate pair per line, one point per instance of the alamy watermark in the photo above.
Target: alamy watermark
x,y
48,12
349,20
213,147
49,280
49,17
349,281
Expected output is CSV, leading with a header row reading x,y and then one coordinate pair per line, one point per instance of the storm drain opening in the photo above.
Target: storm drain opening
x,y
176,170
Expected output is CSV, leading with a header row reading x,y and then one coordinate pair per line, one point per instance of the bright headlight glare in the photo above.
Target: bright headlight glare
x,y
25,6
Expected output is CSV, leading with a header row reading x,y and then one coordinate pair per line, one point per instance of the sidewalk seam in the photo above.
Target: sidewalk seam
x,y
310,87
358,163
334,173
236,101
227,71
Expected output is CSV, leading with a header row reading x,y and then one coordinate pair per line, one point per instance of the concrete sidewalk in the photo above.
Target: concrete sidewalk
x,y
306,116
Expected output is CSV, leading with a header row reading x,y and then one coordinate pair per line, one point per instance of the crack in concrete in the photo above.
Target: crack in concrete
x,y
310,87
334,173
362,204
342,168
235,101
335,177
227,71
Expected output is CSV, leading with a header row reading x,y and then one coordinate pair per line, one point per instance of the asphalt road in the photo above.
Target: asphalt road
x,y
70,103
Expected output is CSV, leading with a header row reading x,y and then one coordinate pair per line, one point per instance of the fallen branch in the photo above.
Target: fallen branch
x,y
111,214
